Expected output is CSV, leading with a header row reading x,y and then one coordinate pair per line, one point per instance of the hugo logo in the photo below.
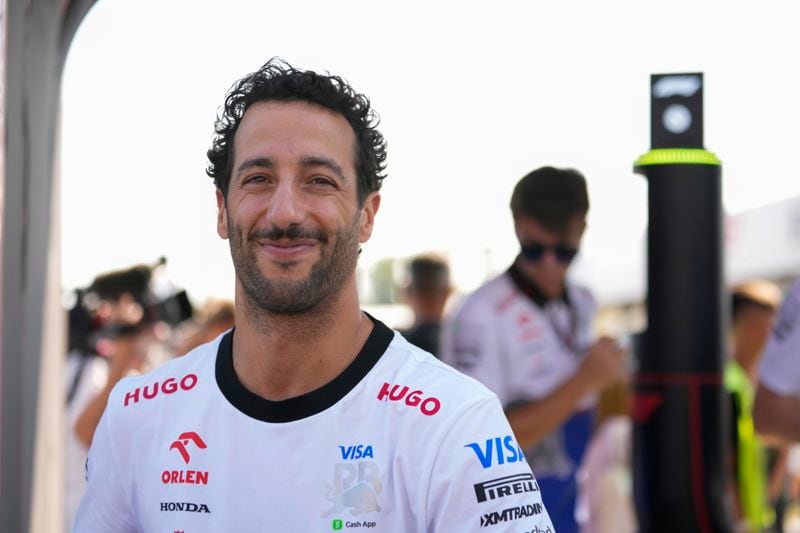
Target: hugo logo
x,y
169,386
428,406
183,440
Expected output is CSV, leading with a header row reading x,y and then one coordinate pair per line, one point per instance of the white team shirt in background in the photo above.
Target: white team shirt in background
x,y
780,367
523,347
520,350
399,442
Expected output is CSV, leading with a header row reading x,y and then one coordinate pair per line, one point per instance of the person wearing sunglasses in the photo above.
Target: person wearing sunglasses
x,y
526,334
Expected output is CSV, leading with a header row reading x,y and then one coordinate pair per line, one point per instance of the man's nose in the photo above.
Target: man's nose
x,y
549,257
286,207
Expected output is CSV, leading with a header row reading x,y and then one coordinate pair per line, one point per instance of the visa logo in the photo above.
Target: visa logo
x,y
356,452
498,450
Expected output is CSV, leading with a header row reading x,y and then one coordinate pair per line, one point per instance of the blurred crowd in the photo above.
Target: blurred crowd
x,y
530,334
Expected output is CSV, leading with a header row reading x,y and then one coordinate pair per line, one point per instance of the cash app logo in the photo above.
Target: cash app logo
x,y
337,524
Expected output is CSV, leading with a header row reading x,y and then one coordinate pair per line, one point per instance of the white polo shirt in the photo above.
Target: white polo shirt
x,y
521,350
523,347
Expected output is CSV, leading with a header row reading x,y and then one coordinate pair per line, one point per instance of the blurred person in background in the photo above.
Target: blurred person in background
x,y
776,410
214,318
605,478
753,309
754,305
527,335
109,337
426,293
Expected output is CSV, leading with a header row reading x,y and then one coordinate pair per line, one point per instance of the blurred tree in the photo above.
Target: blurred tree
x,y
383,287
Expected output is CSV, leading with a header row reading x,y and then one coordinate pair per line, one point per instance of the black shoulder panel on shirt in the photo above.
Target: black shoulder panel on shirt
x,y
310,403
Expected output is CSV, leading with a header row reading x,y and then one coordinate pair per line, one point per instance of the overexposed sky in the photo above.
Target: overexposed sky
x,y
471,98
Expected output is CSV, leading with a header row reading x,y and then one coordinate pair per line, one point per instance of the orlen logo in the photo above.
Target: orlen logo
x,y
183,440
493,451
356,452
169,386
186,477
428,406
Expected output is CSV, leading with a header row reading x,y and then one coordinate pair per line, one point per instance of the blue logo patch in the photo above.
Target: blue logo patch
x,y
497,450
359,451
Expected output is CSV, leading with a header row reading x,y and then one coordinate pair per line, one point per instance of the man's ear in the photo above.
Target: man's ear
x,y
222,216
368,211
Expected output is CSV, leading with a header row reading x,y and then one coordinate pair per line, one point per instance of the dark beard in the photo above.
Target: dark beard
x,y
292,297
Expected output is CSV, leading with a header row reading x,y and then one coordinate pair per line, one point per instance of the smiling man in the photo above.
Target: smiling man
x,y
527,335
310,415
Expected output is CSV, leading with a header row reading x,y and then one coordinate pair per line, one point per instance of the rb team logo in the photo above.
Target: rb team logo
x,y
356,484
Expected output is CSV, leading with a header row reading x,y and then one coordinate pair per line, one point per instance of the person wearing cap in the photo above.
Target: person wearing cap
x,y
753,309
527,336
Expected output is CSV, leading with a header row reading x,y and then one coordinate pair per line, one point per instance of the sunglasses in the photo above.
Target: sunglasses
x,y
534,251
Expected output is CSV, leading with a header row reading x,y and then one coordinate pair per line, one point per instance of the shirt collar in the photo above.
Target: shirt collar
x,y
527,287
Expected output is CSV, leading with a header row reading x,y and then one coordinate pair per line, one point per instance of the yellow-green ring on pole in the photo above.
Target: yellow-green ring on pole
x,y
677,156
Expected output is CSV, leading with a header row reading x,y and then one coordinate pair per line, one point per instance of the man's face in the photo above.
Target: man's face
x,y
548,271
752,327
292,213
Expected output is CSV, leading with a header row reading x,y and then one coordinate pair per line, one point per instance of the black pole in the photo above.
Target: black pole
x,y
679,427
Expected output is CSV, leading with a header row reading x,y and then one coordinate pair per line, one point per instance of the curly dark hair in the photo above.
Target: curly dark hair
x,y
278,80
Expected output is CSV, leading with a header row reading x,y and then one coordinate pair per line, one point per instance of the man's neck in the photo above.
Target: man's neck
x,y
748,359
284,356
528,284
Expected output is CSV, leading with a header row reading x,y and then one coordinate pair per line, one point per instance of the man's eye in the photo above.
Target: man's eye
x,y
255,179
320,180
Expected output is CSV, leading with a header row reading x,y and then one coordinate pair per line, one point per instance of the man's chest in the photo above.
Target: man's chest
x,y
541,347
217,471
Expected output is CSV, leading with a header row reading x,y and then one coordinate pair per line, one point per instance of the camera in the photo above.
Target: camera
x,y
125,302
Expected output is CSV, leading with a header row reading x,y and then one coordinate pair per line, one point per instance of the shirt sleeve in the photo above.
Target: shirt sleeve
x,y
471,345
481,478
586,308
780,367
105,506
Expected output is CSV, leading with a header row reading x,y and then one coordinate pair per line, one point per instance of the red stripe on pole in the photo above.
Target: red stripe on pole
x,y
644,404
678,378
696,443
